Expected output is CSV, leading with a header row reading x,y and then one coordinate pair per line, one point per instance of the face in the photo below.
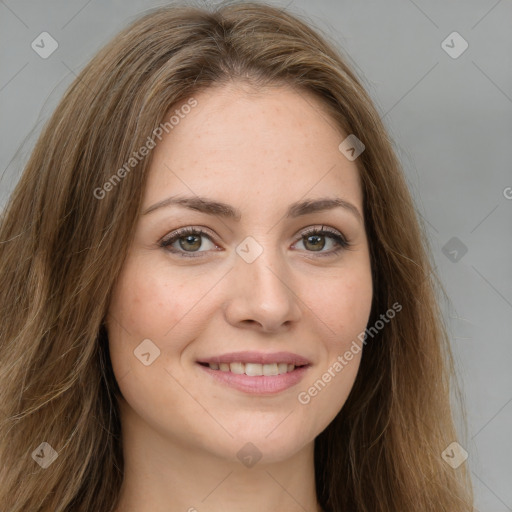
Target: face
x,y
266,273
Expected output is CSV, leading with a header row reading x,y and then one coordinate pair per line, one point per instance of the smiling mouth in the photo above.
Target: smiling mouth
x,y
254,369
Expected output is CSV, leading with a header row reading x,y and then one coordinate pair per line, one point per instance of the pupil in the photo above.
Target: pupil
x,y
190,239
316,246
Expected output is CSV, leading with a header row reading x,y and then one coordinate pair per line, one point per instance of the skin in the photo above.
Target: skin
x,y
258,151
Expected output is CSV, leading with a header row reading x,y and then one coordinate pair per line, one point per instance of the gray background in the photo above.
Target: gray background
x,y
451,123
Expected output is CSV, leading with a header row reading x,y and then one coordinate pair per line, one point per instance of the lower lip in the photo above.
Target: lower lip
x,y
260,384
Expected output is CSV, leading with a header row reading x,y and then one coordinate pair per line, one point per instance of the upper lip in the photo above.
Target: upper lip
x,y
257,357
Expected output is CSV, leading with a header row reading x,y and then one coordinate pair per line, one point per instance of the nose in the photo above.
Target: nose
x,y
262,294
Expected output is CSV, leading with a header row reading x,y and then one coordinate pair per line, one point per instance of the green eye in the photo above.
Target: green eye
x,y
314,239
190,240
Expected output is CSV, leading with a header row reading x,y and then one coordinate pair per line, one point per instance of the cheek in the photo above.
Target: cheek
x,y
345,309
343,303
147,303
149,300
141,308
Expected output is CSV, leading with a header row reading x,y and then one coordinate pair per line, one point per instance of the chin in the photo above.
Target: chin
x,y
268,447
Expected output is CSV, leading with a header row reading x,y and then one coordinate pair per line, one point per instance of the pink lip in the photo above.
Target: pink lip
x,y
261,384
257,357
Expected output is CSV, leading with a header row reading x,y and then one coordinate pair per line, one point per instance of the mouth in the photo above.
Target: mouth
x,y
257,373
254,378
254,369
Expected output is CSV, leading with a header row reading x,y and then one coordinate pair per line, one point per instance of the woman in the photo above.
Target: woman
x,y
217,293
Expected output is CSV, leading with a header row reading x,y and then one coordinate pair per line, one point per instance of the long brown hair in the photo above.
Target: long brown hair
x,y
62,247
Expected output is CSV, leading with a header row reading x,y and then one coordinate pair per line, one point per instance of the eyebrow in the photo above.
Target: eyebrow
x,y
211,207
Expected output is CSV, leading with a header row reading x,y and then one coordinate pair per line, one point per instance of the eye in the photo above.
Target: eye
x,y
189,241
314,239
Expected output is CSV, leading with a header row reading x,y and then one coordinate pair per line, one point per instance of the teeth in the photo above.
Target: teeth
x,y
270,369
282,368
236,368
254,369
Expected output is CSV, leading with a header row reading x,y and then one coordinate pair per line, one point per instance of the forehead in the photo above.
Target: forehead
x,y
263,147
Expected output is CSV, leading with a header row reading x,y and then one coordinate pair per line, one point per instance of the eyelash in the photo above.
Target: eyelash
x,y
166,243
